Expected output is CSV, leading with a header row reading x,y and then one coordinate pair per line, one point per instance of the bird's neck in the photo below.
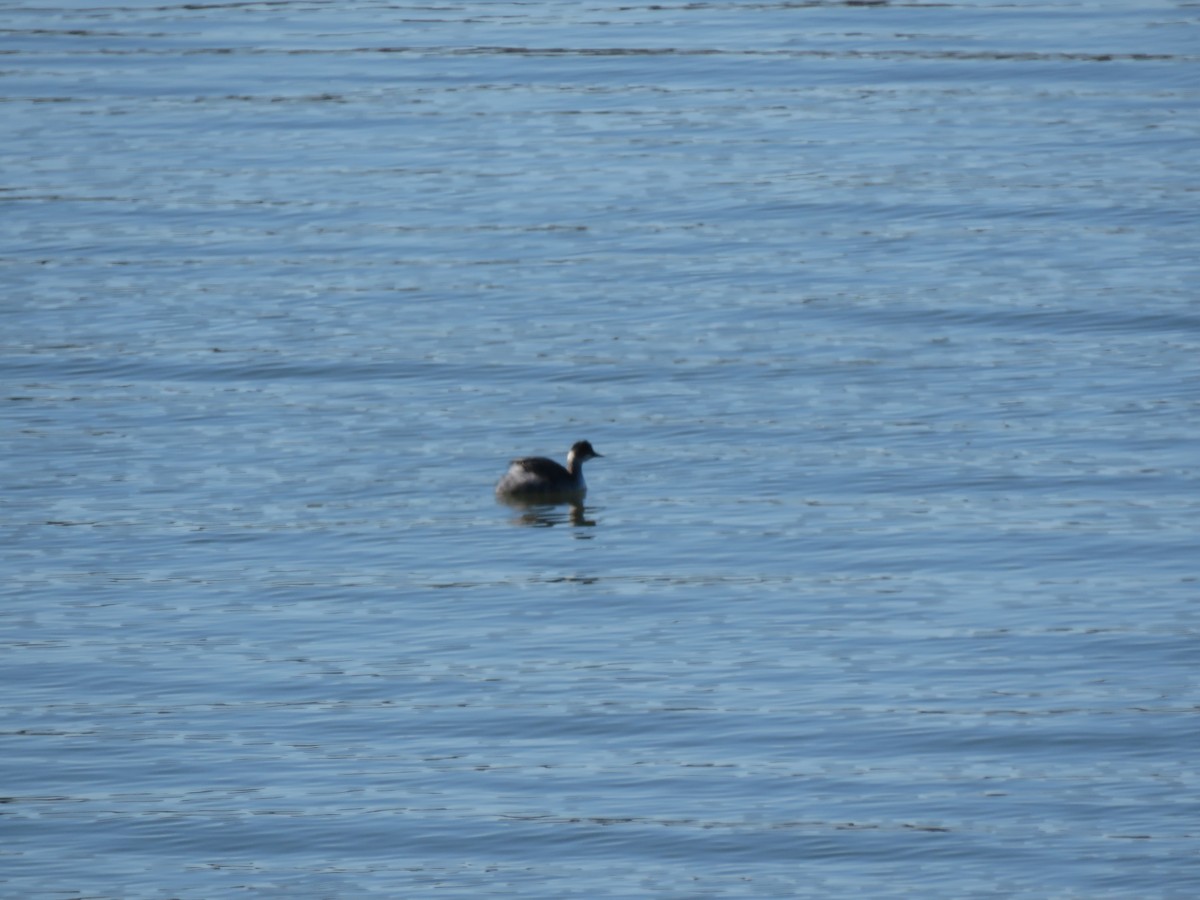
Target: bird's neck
x,y
574,466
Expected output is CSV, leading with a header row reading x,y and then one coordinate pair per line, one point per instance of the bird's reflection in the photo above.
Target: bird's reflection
x,y
546,515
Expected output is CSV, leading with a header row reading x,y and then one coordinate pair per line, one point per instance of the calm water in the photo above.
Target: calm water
x,y
884,317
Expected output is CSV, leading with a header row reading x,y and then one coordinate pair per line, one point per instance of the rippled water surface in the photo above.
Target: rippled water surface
x,y
884,316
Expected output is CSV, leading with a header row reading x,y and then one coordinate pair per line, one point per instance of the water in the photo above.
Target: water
x,y
883,317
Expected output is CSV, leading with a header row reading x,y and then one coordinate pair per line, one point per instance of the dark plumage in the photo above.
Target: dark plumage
x,y
539,478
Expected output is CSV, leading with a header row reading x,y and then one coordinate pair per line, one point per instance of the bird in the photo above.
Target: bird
x,y
538,479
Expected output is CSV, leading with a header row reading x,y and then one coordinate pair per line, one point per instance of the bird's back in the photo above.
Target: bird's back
x,y
534,474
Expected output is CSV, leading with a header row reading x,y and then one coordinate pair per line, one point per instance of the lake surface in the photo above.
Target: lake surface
x,y
884,316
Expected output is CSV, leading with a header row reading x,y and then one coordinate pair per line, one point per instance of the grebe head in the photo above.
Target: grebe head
x,y
581,451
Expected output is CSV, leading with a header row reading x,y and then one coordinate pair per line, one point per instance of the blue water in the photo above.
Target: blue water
x,y
884,317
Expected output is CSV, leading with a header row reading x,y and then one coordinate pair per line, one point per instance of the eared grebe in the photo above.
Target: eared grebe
x,y
534,478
